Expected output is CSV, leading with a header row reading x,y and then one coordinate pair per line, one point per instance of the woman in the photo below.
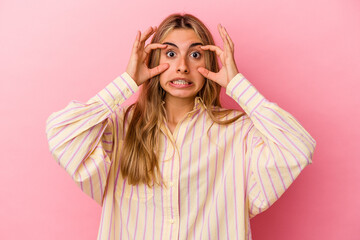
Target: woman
x,y
175,164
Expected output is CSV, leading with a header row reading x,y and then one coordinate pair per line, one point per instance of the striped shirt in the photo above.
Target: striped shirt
x,y
217,176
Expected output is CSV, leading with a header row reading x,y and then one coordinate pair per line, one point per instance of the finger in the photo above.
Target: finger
x,y
153,46
213,48
158,69
229,39
147,34
136,42
207,74
222,31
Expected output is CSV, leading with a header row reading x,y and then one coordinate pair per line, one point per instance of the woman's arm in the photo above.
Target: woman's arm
x,y
277,148
81,136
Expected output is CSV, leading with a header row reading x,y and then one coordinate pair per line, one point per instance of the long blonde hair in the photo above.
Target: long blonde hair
x,y
139,158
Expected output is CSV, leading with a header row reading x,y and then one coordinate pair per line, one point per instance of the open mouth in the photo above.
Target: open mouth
x,y
180,82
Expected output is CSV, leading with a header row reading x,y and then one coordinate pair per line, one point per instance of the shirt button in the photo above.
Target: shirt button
x,y
171,183
172,221
127,90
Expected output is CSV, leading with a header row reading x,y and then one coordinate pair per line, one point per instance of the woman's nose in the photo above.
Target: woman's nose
x,y
182,67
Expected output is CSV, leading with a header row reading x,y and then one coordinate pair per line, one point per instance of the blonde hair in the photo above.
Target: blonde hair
x,y
139,158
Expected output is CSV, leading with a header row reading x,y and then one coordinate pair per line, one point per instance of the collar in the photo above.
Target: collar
x,y
198,104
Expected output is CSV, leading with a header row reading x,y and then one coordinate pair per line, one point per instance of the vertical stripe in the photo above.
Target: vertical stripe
x,y
137,212
198,175
146,208
188,181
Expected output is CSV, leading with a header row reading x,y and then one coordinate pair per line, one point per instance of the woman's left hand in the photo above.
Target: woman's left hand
x,y
228,70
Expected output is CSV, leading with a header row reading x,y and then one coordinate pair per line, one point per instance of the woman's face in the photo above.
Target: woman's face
x,y
184,55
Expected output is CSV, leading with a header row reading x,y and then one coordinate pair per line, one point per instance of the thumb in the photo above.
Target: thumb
x,y
206,73
158,69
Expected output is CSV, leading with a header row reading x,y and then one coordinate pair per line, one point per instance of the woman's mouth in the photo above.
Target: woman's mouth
x,y
180,83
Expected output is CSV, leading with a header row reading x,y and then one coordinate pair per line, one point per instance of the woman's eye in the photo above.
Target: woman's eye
x,y
170,54
196,54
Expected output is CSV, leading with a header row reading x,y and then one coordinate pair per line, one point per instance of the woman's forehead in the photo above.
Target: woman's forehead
x,y
182,37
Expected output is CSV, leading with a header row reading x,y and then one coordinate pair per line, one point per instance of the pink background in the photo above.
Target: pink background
x,y
304,55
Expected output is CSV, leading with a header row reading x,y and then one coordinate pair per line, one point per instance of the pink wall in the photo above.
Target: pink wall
x,y
303,55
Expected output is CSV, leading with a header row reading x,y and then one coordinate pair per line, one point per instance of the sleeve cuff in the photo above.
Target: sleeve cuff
x,y
244,93
118,91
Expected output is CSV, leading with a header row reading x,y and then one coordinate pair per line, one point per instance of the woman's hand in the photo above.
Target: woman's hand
x,y
137,68
228,69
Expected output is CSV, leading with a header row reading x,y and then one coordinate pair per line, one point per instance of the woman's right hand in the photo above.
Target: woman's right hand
x,y
137,68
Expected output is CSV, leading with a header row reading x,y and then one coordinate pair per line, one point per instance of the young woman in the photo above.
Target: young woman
x,y
175,164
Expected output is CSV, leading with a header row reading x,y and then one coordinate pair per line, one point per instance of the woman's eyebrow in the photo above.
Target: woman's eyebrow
x,y
192,45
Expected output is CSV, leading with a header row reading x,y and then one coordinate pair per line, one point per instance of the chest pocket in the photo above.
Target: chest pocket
x,y
140,192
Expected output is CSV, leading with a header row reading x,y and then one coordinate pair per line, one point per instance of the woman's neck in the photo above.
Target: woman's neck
x,y
176,108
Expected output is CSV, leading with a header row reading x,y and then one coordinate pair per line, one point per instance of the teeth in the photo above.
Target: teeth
x,y
180,82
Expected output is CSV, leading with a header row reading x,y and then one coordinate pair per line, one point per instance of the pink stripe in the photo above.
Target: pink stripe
x,y
94,143
77,117
145,210
100,181
237,84
68,136
171,195
102,218
248,169
162,170
110,93
224,180
154,213
270,176
257,105
84,140
247,101
129,212
121,203
226,210
252,187
111,219
118,88
162,204
104,102
302,133
259,175
207,185
118,138
291,142
64,151
127,84
137,211
217,157
287,165
91,184
63,112
243,92
56,133
188,178
81,183
279,142
198,173
234,174
252,203
278,171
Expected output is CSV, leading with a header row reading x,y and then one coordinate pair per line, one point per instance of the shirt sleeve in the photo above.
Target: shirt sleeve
x,y
82,136
277,148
